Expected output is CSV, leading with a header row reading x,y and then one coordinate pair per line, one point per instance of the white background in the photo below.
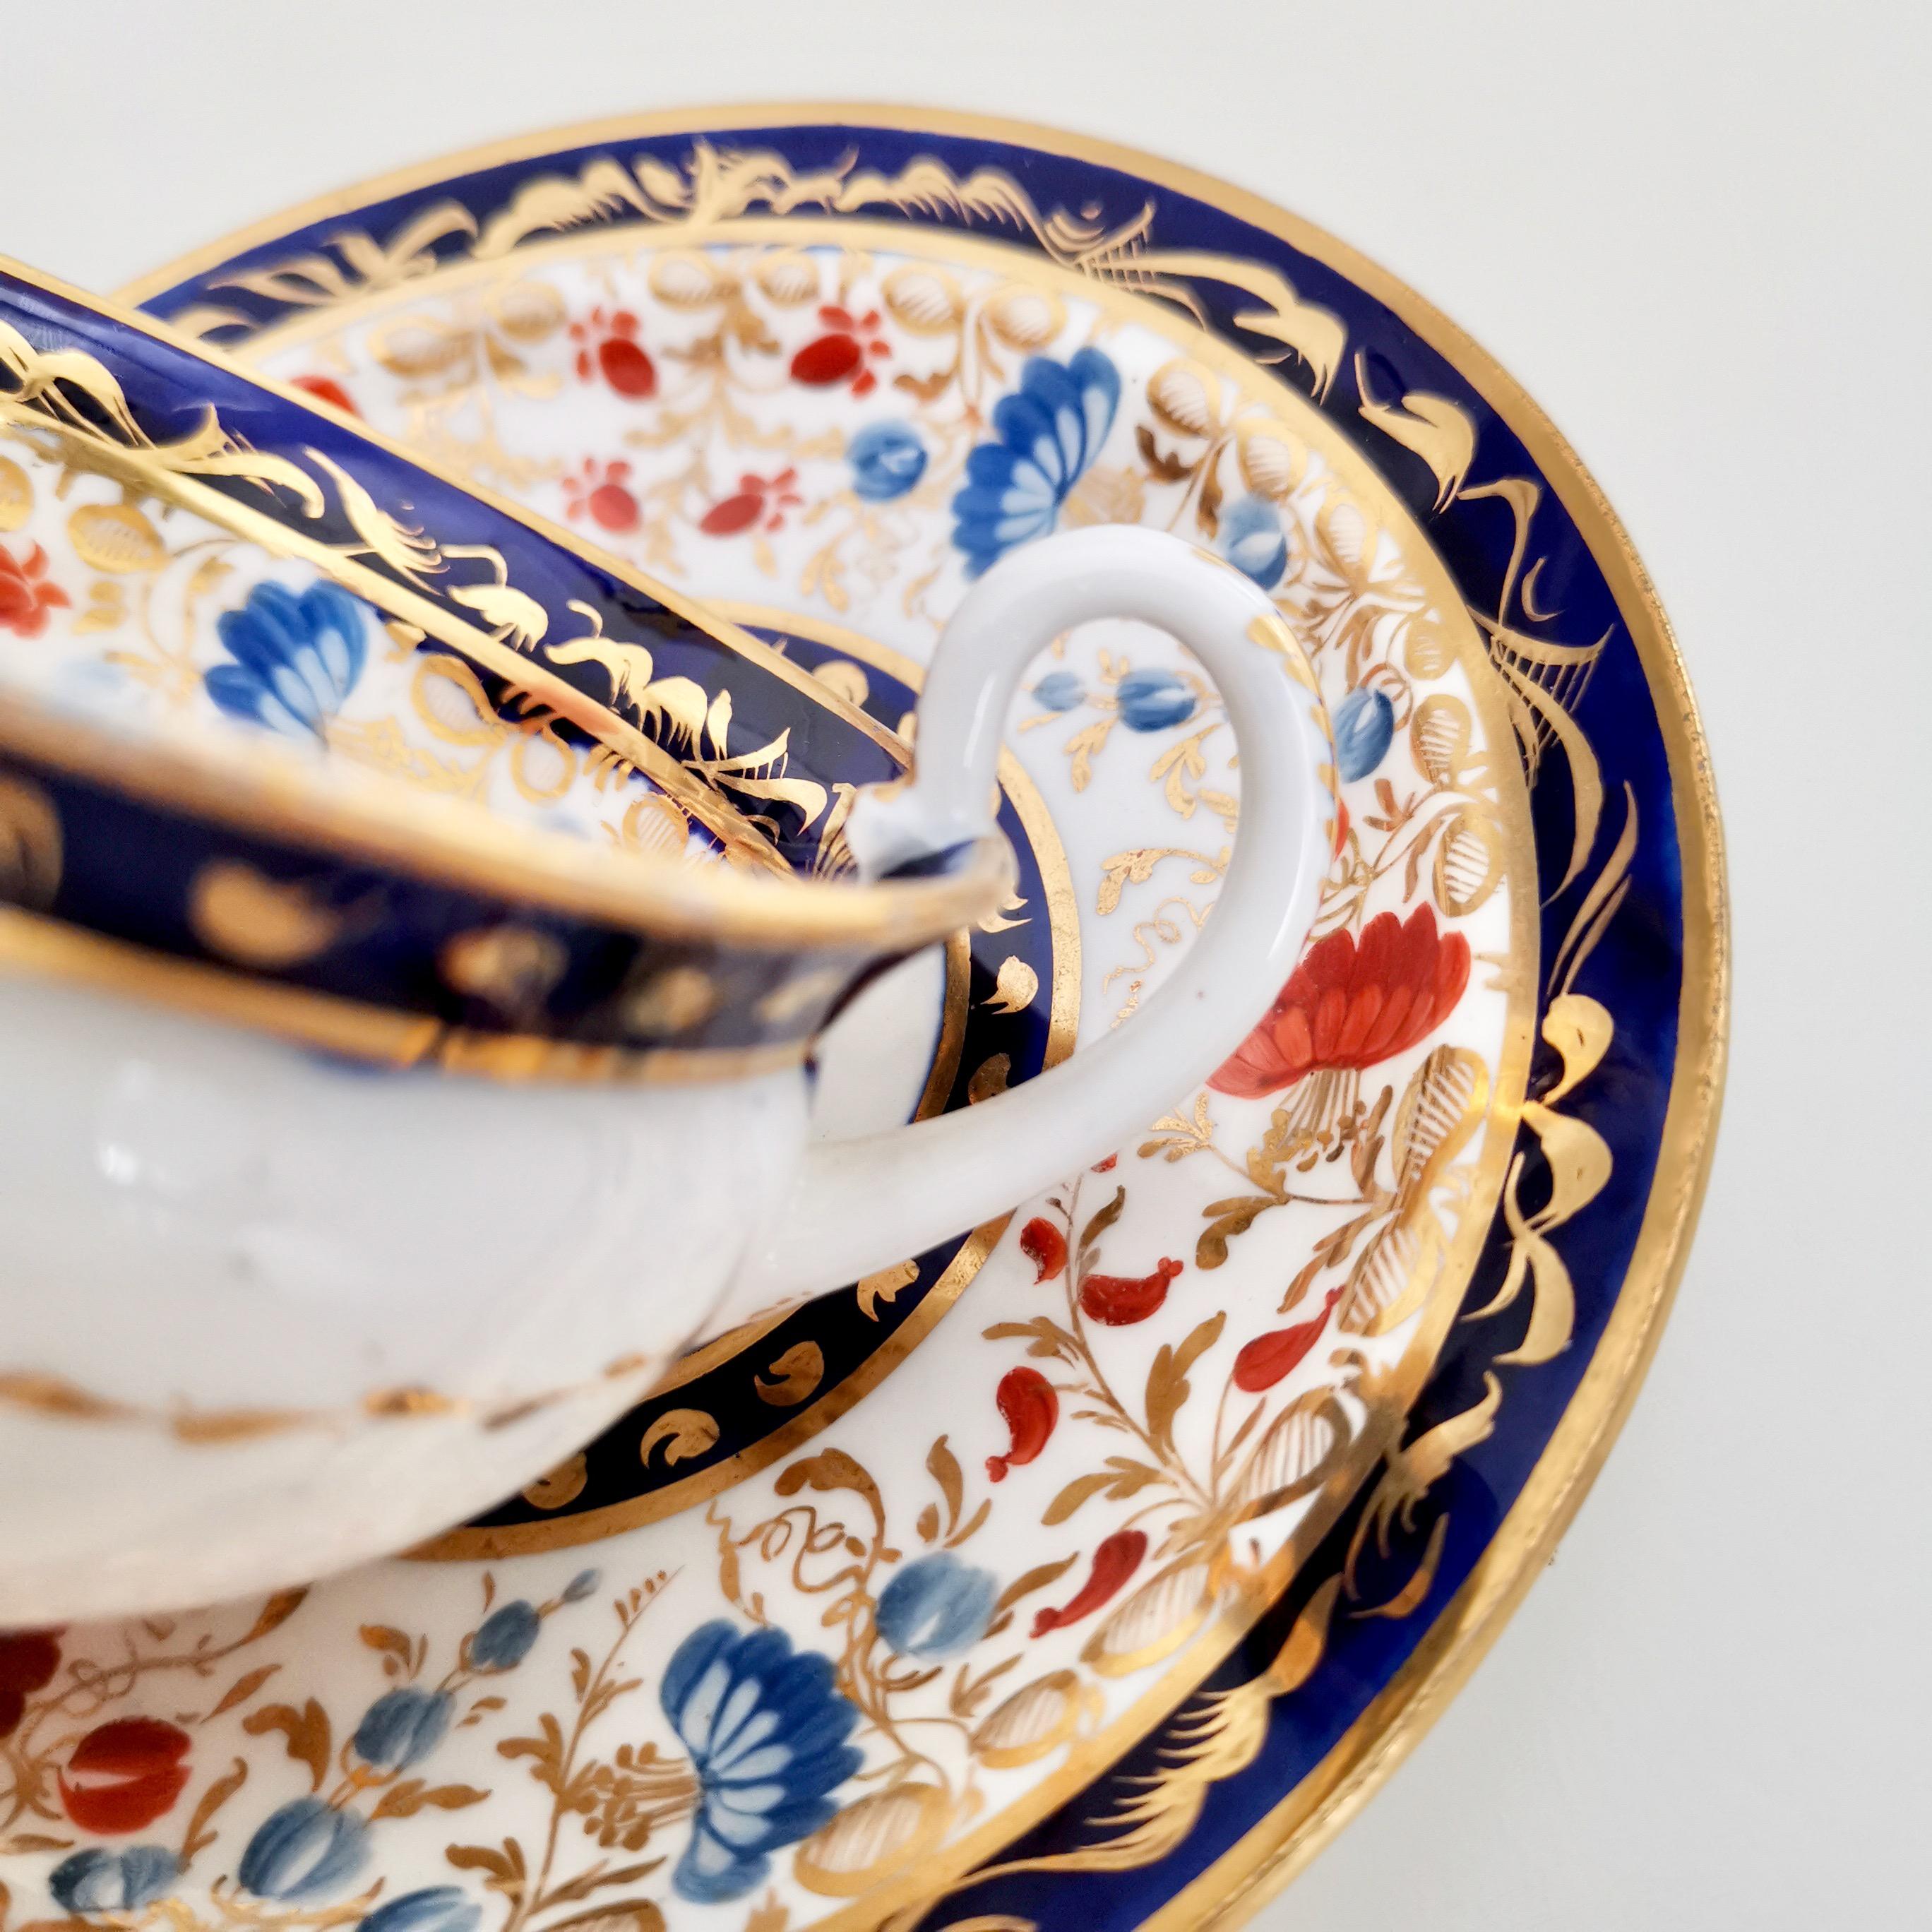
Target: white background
x,y
1698,234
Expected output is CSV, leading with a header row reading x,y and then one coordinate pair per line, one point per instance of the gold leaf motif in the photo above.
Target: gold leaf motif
x,y
17,495
268,924
1442,1106
923,301
517,619
1034,1722
686,1432
1155,1622
672,1000
1181,395
556,1487
844,678
116,538
684,278
631,1915
1469,862
527,312
653,822
1013,991
988,1078
449,696
871,1839
799,1370
1304,1444
30,844
885,1285
1273,459
1439,432
512,967
1439,735
1024,318
788,277
54,1395
418,347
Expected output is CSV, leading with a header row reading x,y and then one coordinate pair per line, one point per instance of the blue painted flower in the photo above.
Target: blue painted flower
x,y
436,1908
402,1727
937,1607
580,1585
1253,541
1151,700
1059,690
887,459
766,1731
305,1848
1364,723
296,657
1049,431
504,1637
99,1880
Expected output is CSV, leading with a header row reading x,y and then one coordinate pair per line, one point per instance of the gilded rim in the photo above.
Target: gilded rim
x,y
1243,1877
375,816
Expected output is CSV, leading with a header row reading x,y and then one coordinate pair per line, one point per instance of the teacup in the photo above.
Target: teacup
x,y
366,1150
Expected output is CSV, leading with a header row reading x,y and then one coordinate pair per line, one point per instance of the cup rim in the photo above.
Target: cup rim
x,y
366,815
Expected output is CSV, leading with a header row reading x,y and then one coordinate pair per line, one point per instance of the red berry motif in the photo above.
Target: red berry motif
x,y
760,501
329,390
1264,1361
1045,1247
1114,1561
26,595
1118,1301
843,354
608,347
1030,1409
124,1774
598,491
27,1661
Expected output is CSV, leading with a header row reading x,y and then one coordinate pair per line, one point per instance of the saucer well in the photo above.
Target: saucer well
x,y
1117,1594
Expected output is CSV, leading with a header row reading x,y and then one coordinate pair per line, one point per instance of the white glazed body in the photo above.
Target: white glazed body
x,y
316,1295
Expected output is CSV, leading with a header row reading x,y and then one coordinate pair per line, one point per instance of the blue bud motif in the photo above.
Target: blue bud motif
x,y
887,460
580,1585
1059,690
1151,700
937,1607
304,1850
1364,723
436,1908
99,1880
504,1637
402,1727
1252,540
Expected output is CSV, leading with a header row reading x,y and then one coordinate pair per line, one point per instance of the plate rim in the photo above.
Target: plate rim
x,y
1266,1857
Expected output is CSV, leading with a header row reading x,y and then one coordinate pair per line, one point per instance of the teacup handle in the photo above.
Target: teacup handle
x,y
857,1205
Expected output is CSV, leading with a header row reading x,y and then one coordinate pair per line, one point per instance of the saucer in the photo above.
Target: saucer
x,y
1120,1592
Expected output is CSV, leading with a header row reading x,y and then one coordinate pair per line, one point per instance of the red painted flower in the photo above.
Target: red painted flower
x,y
843,354
1349,1005
1119,1300
1264,1361
24,597
124,1774
328,389
598,490
761,500
1114,1561
27,1661
1045,1247
607,347
1029,1408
